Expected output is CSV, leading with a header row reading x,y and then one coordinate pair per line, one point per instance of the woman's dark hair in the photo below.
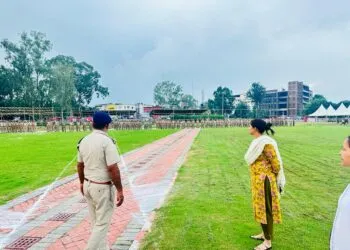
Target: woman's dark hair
x,y
262,126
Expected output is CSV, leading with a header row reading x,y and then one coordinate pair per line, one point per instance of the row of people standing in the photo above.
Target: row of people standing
x,y
131,125
68,127
168,124
57,126
17,127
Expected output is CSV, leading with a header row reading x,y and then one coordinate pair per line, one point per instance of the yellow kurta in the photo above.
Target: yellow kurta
x,y
267,165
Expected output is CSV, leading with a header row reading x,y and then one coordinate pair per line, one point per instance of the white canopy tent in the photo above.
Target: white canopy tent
x,y
342,111
321,111
331,112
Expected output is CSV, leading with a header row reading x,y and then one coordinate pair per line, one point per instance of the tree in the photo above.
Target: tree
x,y
242,110
87,84
346,103
26,80
63,87
333,104
27,61
204,105
222,102
314,104
6,88
189,102
39,46
168,94
256,94
86,79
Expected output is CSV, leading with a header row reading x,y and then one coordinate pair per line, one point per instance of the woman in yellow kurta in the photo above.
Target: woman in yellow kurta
x,y
265,165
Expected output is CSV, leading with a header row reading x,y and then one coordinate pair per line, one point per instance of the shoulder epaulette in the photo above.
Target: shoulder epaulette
x,y
114,141
79,142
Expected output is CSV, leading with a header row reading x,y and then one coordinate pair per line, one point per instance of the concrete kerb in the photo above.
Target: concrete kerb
x,y
174,170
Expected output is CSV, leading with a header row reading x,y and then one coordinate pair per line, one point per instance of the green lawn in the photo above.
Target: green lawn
x,y
210,205
29,161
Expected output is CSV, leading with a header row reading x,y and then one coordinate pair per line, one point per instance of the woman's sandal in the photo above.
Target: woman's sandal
x,y
263,246
257,237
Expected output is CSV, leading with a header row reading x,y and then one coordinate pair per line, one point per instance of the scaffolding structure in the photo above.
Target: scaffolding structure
x,y
39,113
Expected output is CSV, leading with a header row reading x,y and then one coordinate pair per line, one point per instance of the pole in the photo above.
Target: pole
x,y
222,108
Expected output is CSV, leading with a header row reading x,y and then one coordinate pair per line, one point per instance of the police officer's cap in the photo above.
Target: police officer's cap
x,y
101,118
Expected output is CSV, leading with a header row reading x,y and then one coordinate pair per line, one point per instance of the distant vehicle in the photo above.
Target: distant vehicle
x,y
16,119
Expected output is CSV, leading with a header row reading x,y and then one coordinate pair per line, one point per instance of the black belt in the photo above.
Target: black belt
x,y
96,182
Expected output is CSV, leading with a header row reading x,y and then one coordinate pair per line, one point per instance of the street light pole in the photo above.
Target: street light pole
x,y
222,107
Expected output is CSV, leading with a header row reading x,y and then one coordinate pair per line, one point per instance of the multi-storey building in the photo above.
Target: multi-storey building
x,y
299,95
289,102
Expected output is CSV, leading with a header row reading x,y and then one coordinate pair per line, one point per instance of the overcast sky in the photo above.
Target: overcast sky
x,y
199,44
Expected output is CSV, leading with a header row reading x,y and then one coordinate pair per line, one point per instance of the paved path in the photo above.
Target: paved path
x,y
61,219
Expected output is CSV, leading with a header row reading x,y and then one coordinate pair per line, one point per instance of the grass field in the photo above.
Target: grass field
x,y
210,205
29,161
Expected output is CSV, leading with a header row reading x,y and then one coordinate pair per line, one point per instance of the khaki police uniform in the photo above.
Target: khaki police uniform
x,y
97,151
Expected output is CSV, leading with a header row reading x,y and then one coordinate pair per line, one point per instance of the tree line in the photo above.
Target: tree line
x,y
30,79
318,100
169,94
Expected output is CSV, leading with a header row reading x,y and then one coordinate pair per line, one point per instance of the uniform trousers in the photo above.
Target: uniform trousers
x,y
100,199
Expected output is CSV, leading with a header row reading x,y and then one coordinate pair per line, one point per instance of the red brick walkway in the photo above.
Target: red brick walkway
x,y
61,220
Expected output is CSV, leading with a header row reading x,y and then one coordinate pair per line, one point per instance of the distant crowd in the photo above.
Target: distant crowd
x,y
17,127
167,124
57,126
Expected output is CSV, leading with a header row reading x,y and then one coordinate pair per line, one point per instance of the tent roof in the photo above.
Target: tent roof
x,y
330,111
342,111
321,111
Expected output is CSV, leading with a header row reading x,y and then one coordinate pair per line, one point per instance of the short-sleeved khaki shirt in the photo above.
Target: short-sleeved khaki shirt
x,y
97,151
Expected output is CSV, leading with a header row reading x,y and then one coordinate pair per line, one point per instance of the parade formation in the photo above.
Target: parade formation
x,y
58,126
17,127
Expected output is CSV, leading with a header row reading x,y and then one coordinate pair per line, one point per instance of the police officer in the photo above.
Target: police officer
x,y
98,171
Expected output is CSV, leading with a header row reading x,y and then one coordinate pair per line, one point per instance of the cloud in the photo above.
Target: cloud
x,y
135,44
